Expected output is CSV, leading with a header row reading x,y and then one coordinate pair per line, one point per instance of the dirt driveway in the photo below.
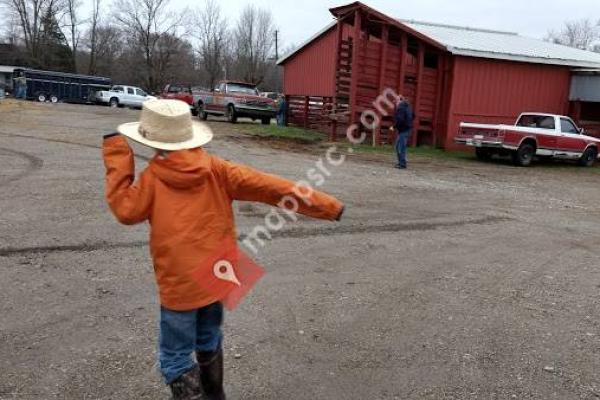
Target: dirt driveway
x,y
451,280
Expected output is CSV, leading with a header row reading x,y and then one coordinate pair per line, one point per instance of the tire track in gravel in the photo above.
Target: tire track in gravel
x,y
62,141
34,164
293,233
304,232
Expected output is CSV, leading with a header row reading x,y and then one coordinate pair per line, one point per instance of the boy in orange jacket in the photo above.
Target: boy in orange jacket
x,y
186,195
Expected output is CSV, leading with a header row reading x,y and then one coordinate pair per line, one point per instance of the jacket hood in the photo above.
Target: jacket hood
x,y
182,169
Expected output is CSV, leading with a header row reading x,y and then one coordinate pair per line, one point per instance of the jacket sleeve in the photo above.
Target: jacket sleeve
x,y
247,184
130,202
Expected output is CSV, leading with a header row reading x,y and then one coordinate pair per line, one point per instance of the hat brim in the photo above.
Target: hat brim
x,y
201,136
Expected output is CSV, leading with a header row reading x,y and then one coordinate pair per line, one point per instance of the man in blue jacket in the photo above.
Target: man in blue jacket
x,y
403,122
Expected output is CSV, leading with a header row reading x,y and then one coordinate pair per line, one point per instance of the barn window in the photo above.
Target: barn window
x,y
413,46
431,60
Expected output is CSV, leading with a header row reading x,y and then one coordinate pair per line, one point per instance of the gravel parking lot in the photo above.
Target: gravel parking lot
x,y
452,280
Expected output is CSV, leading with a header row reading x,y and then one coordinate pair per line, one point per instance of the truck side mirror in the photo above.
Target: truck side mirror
x,y
581,130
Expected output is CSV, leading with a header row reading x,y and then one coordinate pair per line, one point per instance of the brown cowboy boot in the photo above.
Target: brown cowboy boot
x,y
211,373
187,386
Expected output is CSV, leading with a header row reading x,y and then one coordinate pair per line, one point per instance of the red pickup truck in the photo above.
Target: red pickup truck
x,y
534,134
234,100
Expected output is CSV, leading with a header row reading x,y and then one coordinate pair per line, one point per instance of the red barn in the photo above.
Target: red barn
x,y
450,74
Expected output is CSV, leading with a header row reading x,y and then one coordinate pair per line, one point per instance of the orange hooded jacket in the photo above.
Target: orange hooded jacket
x,y
187,198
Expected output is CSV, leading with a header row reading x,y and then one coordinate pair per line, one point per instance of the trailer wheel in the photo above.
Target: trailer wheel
x,y
588,158
265,121
114,102
483,154
54,99
523,156
231,114
41,97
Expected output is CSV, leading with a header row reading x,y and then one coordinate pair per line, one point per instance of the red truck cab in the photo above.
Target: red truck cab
x,y
181,92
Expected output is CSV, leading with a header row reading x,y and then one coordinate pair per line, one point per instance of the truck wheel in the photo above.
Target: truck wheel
x,y
231,114
265,121
524,155
41,98
201,113
483,154
114,102
53,99
588,158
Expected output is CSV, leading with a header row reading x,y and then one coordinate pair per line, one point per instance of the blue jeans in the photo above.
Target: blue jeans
x,y
184,332
281,119
20,92
401,148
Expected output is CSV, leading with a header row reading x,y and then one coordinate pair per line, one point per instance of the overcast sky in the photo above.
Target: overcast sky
x,y
300,19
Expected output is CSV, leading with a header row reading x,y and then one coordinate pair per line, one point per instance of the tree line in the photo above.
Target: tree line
x,y
142,42
583,34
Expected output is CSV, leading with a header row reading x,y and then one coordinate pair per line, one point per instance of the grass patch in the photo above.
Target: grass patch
x,y
422,151
282,132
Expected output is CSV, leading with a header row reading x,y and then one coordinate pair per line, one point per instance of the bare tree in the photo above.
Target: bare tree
x,y
108,48
254,38
92,37
30,16
580,34
212,38
145,22
175,60
73,23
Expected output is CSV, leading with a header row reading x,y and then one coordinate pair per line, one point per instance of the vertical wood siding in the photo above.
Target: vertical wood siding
x,y
496,91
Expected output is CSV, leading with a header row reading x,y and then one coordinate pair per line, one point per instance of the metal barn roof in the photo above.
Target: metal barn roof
x,y
485,43
474,42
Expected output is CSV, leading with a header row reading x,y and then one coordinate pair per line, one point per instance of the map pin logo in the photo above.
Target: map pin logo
x,y
224,270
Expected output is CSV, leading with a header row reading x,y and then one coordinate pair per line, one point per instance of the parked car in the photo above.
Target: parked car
x,y
236,100
534,134
122,96
184,93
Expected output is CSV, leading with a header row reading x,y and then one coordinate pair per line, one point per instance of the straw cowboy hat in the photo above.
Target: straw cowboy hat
x,y
167,125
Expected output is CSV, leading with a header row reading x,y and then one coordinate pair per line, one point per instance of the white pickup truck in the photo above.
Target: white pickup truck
x,y
533,134
122,96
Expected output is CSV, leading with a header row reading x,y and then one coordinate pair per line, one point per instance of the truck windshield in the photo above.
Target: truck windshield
x,y
536,121
236,87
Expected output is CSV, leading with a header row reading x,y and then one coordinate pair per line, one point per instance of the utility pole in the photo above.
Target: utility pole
x,y
276,45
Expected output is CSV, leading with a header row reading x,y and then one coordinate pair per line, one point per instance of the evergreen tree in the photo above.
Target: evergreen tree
x,y
56,54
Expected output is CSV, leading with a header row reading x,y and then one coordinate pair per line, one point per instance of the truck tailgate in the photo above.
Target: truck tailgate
x,y
480,134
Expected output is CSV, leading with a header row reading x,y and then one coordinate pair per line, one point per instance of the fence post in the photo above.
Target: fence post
x,y
332,121
286,110
306,112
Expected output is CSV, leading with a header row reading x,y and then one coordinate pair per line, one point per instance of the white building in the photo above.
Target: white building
x,y
6,76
